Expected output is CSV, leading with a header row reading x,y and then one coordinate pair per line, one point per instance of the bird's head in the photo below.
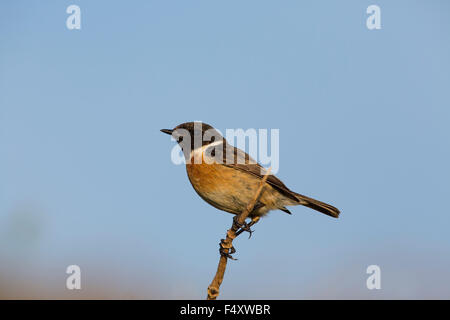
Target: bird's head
x,y
193,135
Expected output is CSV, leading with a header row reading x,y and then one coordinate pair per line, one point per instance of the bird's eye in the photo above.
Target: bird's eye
x,y
179,139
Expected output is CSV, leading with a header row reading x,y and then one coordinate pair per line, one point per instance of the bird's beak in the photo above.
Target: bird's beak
x,y
168,131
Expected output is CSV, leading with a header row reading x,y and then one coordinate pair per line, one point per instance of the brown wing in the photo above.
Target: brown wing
x,y
242,161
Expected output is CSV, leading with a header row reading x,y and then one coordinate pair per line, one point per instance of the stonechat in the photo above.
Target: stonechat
x,y
228,178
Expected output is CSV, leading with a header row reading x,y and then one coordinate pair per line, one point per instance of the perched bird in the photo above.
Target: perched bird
x,y
228,178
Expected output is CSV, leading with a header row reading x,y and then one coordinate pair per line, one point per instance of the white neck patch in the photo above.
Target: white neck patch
x,y
198,152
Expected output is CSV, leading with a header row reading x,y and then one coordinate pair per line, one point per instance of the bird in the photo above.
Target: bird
x,y
228,178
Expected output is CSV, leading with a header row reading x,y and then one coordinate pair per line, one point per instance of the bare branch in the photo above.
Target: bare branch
x,y
227,243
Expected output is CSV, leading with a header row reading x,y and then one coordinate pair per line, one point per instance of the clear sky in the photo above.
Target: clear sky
x,y
86,176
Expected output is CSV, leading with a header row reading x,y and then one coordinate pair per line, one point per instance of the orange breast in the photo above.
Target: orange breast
x,y
226,188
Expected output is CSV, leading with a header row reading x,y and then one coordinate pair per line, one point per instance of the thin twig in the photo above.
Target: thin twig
x,y
227,243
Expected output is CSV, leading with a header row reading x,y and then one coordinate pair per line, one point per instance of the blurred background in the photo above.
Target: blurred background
x,y
86,176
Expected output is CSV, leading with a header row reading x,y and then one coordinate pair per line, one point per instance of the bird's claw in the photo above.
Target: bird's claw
x,y
241,227
226,252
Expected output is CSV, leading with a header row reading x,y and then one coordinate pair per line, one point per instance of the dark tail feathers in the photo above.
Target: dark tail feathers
x,y
318,205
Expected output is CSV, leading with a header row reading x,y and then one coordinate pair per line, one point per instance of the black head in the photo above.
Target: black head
x,y
194,135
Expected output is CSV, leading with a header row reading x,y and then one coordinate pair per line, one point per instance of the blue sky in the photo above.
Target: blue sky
x,y
86,175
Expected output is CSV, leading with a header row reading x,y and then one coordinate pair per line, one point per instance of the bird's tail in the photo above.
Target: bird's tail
x,y
318,205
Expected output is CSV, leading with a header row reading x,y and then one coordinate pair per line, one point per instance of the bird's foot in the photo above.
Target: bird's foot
x,y
243,227
225,251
